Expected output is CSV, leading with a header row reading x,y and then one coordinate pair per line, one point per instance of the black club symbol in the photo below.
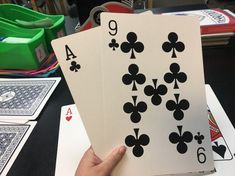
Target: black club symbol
x,y
175,75
137,142
134,77
181,139
155,92
173,44
135,109
74,66
132,45
199,137
113,44
178,107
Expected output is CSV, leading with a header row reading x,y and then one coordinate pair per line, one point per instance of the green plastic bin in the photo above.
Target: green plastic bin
x,y
24,56
11,12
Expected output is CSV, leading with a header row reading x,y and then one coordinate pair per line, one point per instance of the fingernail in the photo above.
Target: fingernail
x,y
122,150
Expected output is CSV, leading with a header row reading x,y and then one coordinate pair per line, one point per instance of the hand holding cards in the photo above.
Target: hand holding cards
x,y
141,84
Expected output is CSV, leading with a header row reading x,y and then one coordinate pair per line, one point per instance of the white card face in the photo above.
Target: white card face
x,y
12,139
154,94
23,99
79,58
222,136
73,141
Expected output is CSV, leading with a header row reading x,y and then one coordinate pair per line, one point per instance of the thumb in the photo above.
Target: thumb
x,y
112,160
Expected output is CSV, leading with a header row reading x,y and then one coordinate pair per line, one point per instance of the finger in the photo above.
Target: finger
x,y
91,158
88,161
112,160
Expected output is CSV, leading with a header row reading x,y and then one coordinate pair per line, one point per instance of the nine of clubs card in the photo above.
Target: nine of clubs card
x,y
153,90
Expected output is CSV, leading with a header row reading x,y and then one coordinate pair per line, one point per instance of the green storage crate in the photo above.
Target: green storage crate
x,y
25,55
11,12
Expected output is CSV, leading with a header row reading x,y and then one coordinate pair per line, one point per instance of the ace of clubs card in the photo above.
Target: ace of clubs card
x,y
78,55
154,95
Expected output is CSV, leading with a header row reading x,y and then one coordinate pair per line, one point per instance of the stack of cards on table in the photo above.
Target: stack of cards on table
x,y
21,100
138,80
217,25
71,150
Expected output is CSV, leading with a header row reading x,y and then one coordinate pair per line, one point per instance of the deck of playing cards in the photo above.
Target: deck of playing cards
x,y
21,100
138,80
